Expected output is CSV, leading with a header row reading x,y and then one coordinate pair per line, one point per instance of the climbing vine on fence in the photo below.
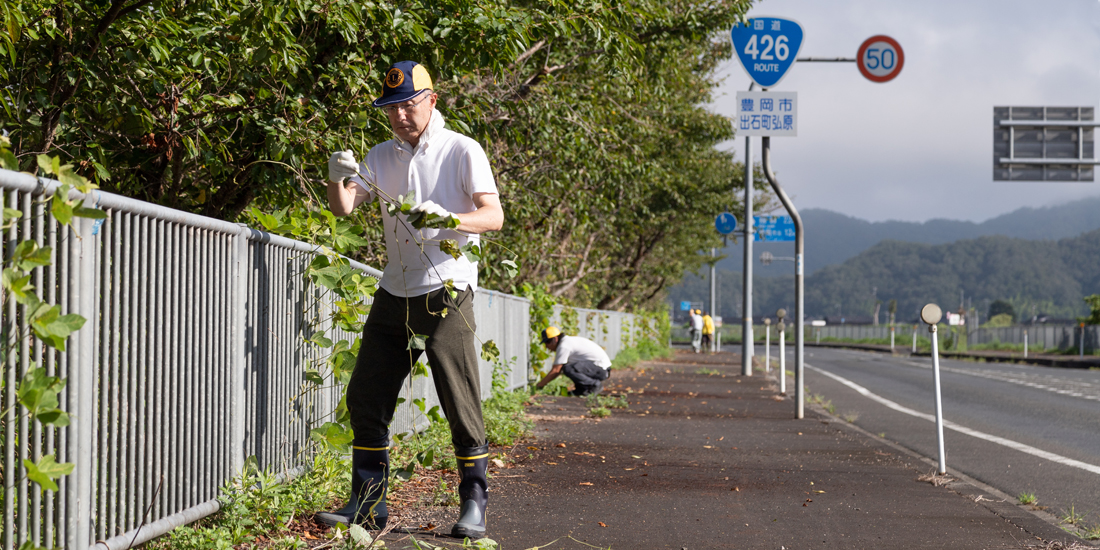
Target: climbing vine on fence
x,y
37,391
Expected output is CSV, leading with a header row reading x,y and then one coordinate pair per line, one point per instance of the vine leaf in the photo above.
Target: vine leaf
x,y
472,252
489,351
312,375
450,246
510,268
360,535
38,392
334,434
46,470
417,341
320,339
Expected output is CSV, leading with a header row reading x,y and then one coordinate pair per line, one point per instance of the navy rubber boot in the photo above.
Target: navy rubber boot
x,y
473,491
367,504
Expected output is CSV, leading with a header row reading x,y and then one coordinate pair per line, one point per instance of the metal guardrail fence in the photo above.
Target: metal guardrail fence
x,y
864,332
1040,337
192,359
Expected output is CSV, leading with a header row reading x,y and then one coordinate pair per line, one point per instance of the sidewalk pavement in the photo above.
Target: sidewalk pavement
x,y
707,458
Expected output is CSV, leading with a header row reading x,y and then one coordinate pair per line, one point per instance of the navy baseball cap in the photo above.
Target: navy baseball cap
x,y
404,81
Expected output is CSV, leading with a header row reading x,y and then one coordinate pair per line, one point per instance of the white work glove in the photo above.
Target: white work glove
x,y
429,213
429,207
341,165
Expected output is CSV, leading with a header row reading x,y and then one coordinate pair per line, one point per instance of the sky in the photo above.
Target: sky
x,y
921,146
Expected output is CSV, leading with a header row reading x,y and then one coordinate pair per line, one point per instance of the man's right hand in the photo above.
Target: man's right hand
x,y
341,165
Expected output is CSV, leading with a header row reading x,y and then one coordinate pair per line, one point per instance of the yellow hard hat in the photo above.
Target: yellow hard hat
x,y
550,333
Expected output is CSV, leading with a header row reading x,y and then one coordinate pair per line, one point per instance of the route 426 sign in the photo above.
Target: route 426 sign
x,y
767,47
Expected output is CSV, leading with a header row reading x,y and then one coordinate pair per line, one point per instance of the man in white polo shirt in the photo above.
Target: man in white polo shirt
x,y
580,359
449,178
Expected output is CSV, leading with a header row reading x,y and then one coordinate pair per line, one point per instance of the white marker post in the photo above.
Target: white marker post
x,y
1081,342
891,338
767,344
1025,343
782,328
914,338
931,314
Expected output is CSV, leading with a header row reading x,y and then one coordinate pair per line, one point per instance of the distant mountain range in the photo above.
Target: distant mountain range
x,y
832,238
1036,277
1042,260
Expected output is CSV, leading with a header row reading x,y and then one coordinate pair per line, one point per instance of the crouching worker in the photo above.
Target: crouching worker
x,y
579,359
449,177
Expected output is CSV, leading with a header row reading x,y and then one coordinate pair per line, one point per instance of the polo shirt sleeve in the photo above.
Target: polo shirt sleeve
x,y
368,172
477,175
562,354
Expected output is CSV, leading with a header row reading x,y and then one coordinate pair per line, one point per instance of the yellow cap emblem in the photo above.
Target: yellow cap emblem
x,y
395,78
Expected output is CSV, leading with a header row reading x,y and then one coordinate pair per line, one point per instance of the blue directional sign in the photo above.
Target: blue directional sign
x,y
725,223
684,306
773,228
767,47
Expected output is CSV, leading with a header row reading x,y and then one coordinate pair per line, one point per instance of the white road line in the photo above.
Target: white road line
x,y
1011,380
962,429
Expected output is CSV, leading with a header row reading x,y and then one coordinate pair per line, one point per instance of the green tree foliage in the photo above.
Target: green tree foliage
x,y
1001,307
1093,302
590,111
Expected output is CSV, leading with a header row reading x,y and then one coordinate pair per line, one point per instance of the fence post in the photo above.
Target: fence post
x,y
81,384
239,369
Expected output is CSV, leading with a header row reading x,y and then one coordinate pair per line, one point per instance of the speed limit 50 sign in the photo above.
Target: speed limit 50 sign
x,y
880,58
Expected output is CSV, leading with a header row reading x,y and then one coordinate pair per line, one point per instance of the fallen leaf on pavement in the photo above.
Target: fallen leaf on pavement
x,y
563,444
602,524
819,491
738,489
585,483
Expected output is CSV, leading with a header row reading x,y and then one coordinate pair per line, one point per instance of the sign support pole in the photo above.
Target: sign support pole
x,y
746,285
713,294
799,282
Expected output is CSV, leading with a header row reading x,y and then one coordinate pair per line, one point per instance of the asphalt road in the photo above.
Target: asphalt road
x,y
1019,429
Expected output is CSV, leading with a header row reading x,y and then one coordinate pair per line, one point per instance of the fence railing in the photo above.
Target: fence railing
x,y
191,360
1040,337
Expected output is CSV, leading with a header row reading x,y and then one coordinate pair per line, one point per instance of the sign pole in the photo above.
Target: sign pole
x,y
799,280
713,294
746,275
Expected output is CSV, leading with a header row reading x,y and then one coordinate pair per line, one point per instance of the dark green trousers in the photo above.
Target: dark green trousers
x,y
384,363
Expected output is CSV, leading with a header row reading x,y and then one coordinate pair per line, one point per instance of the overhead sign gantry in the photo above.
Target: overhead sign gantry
x,y
1044,144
